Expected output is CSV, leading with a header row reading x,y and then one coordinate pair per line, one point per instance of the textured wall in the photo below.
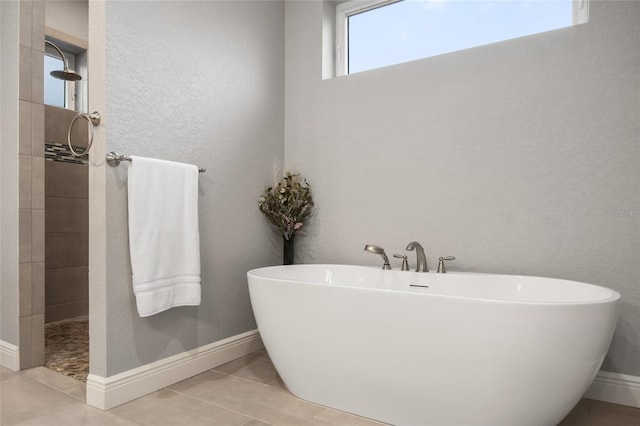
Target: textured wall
x,y
198,82
510,157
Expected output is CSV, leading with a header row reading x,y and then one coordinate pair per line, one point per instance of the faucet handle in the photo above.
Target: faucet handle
x,y
441,268
405,262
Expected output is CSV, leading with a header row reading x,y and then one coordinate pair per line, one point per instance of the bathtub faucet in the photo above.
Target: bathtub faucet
x,y
421,262
378,250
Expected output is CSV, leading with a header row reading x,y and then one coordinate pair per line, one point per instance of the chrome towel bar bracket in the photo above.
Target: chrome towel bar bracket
x,y
114,159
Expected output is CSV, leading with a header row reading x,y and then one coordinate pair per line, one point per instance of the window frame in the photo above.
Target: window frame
x,y
355,7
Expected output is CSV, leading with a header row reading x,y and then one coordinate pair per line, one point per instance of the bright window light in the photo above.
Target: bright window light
x,y
54,89
373,34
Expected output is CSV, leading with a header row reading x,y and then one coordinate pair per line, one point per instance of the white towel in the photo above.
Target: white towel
x,y
163,234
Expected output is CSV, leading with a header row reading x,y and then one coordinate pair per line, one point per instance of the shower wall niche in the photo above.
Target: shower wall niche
x,y
66,218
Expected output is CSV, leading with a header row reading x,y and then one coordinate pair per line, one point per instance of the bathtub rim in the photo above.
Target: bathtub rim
x,y
614,296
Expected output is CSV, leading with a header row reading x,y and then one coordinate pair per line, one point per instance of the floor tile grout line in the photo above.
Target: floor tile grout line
x,y
251,355
195,398
257,358
253,359
346,413
286,391
276,388
249,380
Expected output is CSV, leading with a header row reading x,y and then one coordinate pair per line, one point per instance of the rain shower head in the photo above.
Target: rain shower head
x,y
66,73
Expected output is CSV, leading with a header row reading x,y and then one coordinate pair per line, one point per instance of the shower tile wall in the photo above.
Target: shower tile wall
x,y
31,216
66,219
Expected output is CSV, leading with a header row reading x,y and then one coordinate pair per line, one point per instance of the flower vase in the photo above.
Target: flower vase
x,y
288,251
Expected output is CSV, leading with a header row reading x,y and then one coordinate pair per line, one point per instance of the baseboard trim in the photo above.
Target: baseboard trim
x,y
109,392
9,356
616,388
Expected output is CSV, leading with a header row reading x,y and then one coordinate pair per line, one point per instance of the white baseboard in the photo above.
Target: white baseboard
x,y
109,392
9,356
615,388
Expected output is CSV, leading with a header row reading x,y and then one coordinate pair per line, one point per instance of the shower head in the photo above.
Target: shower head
x,y
66,73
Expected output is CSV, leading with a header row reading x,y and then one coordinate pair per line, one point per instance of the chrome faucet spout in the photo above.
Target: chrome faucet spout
x,y
421,261
378,250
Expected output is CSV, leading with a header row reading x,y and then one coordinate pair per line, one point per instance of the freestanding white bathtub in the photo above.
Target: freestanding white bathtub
x,y
464,349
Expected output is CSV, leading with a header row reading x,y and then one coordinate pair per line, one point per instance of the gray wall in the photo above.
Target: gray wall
x,y
197,82
509,156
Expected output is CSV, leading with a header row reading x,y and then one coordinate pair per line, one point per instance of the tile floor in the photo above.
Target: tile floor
x,y
66,347
246,391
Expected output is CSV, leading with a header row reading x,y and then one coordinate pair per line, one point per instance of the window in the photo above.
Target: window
x,y
60,93
373,34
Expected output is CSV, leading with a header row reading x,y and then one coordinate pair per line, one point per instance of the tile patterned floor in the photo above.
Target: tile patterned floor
x,y
245,392
66,347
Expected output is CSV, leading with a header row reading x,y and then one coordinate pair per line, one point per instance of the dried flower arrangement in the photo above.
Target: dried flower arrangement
x,y
287,204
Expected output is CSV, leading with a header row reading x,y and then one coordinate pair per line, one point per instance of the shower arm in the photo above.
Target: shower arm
x,y
64,59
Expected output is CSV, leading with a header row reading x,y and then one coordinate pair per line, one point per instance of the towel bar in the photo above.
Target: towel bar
x,y
114,159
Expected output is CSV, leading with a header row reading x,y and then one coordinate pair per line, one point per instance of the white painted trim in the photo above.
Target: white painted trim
x,y
109,392
580,12
9,356
615,388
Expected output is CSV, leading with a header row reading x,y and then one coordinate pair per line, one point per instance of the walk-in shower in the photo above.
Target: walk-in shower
x,y
66,233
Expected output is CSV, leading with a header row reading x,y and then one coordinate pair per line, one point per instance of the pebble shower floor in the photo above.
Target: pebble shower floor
x,y
67,347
